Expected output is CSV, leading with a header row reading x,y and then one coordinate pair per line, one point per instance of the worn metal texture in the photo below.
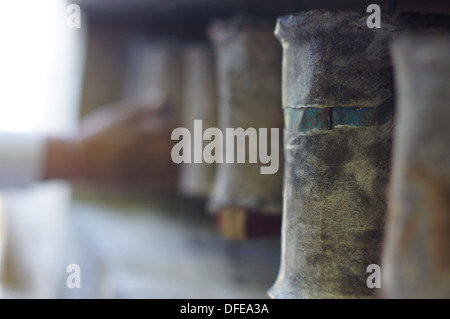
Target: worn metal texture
x,y
249,79
337,170
416,255
334,207
333,58
199,103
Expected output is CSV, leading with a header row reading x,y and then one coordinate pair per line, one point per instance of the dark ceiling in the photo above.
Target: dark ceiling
x,y
193,16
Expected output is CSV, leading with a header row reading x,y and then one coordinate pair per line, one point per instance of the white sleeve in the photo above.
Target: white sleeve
x,y
22,158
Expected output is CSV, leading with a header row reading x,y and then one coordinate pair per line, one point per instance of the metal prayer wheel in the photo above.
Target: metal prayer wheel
x,y
338,103
248,62
2,238
416,255
154,71
199,102
153,78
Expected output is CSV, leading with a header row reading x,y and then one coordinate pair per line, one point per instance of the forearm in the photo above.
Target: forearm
x,y
64,160
115,147
22,158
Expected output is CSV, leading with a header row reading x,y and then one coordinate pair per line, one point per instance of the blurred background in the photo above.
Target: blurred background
x,y
135,243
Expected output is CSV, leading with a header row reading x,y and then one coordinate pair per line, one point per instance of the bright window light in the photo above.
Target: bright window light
x,y
33,55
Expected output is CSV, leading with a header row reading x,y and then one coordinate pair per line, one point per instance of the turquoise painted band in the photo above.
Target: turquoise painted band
x,y
312,119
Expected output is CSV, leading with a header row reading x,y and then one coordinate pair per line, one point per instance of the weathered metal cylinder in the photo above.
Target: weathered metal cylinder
x,y
2,240
153,70
153,78
338,101
248,60
416,254
199,100
338,107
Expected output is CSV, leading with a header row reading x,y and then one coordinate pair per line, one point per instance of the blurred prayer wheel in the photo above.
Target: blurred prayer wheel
x,y
199,103
338,102
154,71
154,76
248,60
2,237
416,255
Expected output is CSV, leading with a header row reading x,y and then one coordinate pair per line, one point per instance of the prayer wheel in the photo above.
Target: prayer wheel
x,y
153,78
416,254
2,237
154,71
338,102
248,62
199,102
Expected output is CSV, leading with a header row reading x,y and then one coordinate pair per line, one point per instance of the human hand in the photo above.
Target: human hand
x,y
125,144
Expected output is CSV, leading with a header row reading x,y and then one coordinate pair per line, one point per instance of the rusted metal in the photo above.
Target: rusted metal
x,y
416,255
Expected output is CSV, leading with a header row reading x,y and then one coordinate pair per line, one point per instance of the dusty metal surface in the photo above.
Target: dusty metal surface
x,y
348,50
416,257
333,213
335,179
